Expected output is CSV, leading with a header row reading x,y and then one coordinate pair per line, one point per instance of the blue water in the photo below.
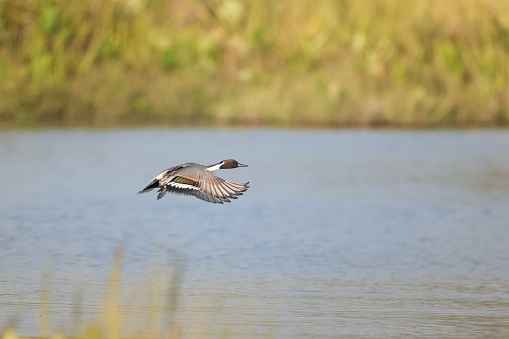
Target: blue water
x,y
342,233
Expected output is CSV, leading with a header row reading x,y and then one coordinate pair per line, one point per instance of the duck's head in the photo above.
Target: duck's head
x,y
231,163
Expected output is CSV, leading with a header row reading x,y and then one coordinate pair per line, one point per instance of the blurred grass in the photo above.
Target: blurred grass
x,y
145,315
232,62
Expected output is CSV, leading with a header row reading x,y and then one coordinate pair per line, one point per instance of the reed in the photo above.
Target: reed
x,y
232,62
142,313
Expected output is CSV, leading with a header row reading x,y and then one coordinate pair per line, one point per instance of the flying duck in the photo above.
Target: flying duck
x,y
198,180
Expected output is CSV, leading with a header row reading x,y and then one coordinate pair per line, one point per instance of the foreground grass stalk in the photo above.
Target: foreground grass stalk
x,y
110,318
44,304
109,321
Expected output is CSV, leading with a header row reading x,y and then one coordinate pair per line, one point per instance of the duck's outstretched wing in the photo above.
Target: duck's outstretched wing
x,y
179,185
212,189
217,190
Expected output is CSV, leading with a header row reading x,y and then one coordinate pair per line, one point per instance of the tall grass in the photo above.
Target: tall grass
x,y
146,312
302,62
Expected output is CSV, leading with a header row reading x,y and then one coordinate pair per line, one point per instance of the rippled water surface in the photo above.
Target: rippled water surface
x,y
341,234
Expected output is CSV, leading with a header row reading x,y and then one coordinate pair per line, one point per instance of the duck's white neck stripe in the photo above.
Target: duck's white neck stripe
x,y
215,167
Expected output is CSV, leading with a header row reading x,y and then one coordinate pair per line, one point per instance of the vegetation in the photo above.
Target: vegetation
x,y
147,314
234,62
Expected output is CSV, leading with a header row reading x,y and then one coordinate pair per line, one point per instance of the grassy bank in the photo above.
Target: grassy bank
x,y
233,62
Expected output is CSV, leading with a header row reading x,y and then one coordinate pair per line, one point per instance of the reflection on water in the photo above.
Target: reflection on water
x,y
342,233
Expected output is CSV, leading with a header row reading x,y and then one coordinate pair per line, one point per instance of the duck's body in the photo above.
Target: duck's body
x,y
198,180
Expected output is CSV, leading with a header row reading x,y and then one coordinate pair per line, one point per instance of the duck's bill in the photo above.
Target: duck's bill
x,y
242,165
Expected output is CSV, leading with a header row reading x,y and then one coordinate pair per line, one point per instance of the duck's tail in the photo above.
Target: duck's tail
x,y
151,185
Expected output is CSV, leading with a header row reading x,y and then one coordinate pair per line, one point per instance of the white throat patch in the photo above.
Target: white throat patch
x,y
215,167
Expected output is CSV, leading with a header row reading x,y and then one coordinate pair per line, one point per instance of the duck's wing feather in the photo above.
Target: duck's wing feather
x,y
210,189
220,189
184,189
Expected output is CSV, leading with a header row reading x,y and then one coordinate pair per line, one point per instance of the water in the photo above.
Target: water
x,y
341,234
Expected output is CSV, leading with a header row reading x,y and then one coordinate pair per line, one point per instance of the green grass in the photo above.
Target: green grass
x,y
233,62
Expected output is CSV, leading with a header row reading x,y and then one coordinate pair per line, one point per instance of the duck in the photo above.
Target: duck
x,y
198,180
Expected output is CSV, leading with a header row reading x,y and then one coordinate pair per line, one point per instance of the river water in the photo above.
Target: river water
x,y
342,233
